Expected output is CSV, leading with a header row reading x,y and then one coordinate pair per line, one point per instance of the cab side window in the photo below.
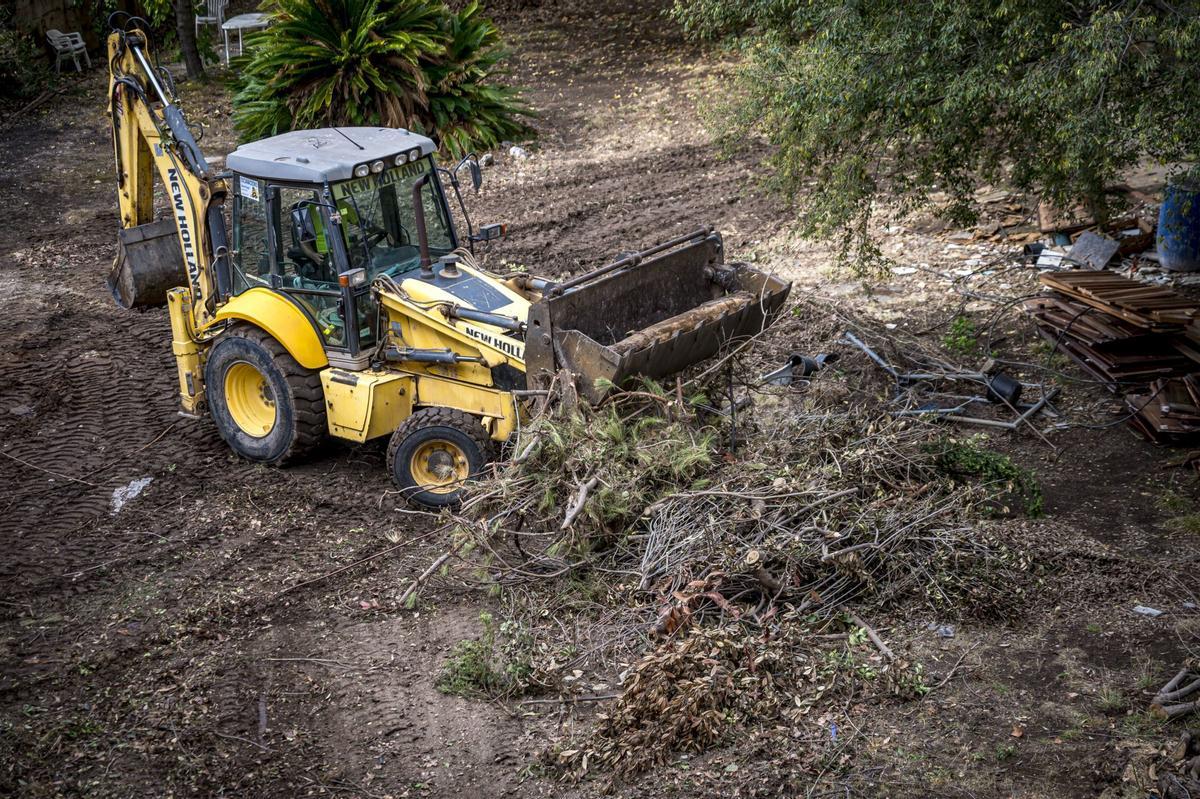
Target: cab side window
x,y
304,240
251,263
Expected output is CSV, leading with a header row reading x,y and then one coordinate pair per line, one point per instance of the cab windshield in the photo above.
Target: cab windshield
x,y
379,223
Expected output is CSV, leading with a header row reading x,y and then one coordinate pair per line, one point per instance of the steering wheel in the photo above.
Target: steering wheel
x,y
375,236
366,234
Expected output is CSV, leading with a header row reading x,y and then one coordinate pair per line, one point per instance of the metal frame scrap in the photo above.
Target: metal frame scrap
x,y
1022,413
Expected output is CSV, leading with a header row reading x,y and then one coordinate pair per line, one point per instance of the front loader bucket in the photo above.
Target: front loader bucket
x,y
657,313
149,263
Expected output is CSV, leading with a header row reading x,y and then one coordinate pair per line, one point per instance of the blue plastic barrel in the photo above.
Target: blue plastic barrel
x,y
1179,227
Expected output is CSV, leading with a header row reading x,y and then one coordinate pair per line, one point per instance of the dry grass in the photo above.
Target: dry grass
x,y
716,682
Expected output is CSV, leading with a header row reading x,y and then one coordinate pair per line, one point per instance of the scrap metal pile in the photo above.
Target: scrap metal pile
x,y
920,392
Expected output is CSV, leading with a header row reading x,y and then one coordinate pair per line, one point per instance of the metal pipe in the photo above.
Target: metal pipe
x,y
1037,406
531,283
984,422
887,367
154,84
173,117
938,411
1015,423
978,377
632,260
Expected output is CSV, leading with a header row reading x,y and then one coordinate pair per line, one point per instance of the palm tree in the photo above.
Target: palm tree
x,y
397,63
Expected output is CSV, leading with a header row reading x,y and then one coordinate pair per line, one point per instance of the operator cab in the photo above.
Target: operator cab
x,y
319,214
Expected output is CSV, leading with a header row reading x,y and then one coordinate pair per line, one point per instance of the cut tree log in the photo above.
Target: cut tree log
x,y
1171,700
681,323
1170,712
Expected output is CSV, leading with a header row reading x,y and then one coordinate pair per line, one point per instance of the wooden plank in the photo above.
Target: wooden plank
x,y
1151,307
1192,384
1153,416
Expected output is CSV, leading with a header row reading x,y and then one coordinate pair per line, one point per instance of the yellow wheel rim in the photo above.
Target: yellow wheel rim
x,y
439,466
250,400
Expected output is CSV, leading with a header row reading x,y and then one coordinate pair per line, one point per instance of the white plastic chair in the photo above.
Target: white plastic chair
x,y
68,46
214,14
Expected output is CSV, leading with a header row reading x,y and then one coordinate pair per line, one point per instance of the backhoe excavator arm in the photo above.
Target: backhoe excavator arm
x,y
150,133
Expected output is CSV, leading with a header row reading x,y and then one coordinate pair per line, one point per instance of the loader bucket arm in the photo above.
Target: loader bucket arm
x,y
150,134
650,314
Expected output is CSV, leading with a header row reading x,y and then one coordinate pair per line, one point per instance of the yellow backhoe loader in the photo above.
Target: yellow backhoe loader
x,y
339,301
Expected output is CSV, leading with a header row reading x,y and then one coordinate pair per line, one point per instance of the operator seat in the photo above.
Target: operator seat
x,y
310,246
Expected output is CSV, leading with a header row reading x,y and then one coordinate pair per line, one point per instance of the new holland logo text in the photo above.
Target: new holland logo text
x,y
185,231
509,347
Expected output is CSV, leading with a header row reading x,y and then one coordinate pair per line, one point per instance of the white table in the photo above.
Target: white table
x,y
243,22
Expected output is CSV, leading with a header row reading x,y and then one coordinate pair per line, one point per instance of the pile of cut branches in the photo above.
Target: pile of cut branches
x,y
827,507
578,485
638,533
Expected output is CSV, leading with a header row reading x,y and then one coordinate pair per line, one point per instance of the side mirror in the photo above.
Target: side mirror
x,y
303,228
471,162
476,174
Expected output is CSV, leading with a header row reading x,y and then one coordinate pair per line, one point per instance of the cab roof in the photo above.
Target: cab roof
x,y
323,155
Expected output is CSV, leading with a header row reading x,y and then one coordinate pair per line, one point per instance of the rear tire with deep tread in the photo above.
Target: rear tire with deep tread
x,y
431,425
300,423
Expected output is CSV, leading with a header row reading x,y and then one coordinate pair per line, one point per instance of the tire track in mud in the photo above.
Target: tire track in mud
x,y
97,392
637,202
382,682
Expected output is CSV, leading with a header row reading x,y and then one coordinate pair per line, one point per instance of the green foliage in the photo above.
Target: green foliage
x,y
468,670
23,68
466,110
872,99
1111,700
635,462
497,663
961,337
968,459
1171,501
1188,523
158,12
1184,515
398,63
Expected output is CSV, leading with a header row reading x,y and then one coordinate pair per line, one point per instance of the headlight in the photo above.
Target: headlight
x,y
402,159
377,166
353,278
361,171
413,155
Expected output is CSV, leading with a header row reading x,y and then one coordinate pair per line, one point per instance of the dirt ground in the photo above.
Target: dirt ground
x,y
193,642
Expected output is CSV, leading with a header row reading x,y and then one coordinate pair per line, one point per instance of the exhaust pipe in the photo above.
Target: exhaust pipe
x,y
419,221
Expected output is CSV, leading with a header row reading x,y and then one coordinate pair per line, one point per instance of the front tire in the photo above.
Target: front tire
x,y
434,453
266,406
